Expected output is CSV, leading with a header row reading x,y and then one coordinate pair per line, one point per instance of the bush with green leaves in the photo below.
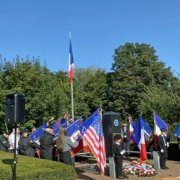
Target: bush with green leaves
x,y
30,168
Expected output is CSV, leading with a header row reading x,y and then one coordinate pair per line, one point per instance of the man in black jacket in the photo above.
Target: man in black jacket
x,y
118,151
4,143
47,143
162,148
26,147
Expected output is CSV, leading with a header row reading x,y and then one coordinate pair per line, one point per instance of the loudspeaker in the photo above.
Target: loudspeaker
x,y
111,126
15,108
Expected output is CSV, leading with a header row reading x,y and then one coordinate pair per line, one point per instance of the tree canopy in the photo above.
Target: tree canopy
x,y
139,83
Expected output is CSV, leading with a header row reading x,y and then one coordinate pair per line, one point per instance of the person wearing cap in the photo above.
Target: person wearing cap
x,y
47,143
26,147
118,151
163,148
4,143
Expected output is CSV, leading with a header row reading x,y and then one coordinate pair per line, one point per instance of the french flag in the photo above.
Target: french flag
x,y
71,62
139,138
158,125
131,127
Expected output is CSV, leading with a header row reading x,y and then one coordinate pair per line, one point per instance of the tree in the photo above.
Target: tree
x,y
89,90
136,68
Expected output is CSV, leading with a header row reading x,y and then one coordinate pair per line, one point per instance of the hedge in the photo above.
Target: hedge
x,y
30,168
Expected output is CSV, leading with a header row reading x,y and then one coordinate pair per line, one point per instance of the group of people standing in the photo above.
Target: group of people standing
x,y
121,144
47,147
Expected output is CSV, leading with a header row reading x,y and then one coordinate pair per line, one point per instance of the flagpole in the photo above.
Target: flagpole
x,y
72,90
72,101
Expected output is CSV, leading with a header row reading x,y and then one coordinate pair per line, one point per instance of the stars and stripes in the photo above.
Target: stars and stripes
x,y
93,135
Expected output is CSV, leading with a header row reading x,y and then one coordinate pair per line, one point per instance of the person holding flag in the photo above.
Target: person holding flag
x,y
64,144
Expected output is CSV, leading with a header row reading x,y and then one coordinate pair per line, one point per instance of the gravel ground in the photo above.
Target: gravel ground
x,y
86,170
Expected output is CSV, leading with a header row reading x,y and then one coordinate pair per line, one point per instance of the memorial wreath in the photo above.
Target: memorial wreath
x,y
140,169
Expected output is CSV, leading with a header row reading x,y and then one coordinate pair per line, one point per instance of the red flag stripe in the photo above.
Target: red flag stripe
x,y
97,147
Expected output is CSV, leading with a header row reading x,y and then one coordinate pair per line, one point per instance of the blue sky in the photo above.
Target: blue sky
x,y
39,28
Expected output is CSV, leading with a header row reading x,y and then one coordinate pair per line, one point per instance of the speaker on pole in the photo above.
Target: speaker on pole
x,y
15,108
15,114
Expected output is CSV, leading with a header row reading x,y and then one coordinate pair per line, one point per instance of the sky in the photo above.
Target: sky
x,y
40,28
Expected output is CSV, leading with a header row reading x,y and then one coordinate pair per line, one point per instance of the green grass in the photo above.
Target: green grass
x,y
30,168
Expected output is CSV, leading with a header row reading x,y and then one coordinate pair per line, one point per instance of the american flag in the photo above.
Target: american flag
x,y
71,62
92,133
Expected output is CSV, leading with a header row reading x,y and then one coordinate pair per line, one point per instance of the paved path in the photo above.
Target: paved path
x,y
85,170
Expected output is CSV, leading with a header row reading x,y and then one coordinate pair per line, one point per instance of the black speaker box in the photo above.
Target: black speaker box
x,y
111,126
15,108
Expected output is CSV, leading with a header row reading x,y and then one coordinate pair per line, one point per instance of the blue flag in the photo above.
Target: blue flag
x,y
38,133
160,123
177,130
74,128
141,124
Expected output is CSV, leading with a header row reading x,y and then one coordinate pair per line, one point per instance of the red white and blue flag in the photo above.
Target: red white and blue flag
x,y
73,132
141,130
131,127
92,133
158,125
71,62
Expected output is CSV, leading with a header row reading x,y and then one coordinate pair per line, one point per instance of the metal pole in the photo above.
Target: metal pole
x,y
72,101
6,126
15,157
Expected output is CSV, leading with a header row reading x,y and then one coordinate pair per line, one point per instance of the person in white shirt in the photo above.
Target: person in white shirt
x,y
12,139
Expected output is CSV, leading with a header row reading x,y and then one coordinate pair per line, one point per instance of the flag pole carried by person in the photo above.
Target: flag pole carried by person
x,y
71,69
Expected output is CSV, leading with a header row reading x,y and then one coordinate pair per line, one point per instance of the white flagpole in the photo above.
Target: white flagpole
x,y
72,93
72,101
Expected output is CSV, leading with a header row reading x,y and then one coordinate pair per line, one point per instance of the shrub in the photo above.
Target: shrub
x,y
30,168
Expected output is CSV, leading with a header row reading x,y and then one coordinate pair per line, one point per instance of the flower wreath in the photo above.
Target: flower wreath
x,y
140,169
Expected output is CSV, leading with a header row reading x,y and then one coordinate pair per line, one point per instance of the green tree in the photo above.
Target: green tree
x,y
89,90
136,67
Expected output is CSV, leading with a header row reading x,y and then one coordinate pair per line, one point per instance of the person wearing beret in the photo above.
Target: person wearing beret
x,y
162,148
118,151
26,147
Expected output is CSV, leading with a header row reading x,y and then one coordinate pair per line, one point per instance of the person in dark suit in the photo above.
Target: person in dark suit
x,y
47,143
26,147
162,148
125,136
118,151
4,143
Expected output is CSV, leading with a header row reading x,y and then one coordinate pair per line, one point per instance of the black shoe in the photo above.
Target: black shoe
x,y
166,167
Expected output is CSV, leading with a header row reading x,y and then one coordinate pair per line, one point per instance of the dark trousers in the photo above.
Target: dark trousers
x,y
66,157
163,158
118,167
